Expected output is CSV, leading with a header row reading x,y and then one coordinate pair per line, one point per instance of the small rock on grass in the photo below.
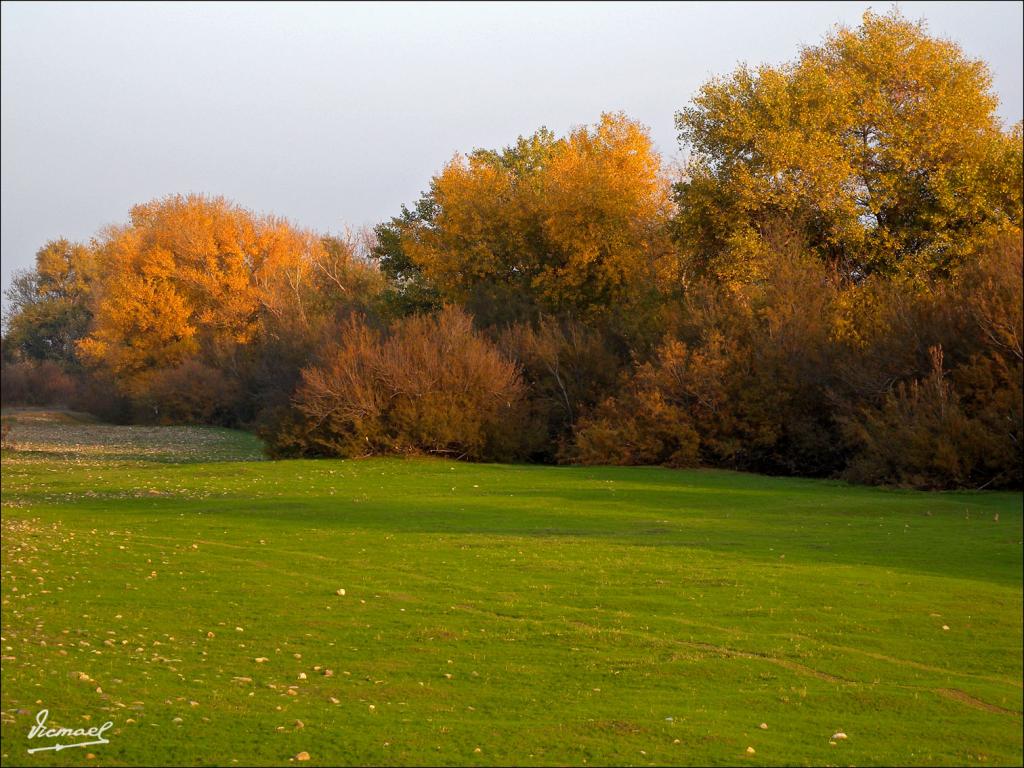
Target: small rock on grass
x,y
838,736
751,750
763,726
302,756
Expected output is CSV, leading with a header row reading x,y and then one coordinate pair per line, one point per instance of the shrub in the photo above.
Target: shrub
x,y
919,436
189,393
929,385
36,383
434,385
568,368
741,383
99,396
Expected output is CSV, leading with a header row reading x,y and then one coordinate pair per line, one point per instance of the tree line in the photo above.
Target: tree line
x,y
830,286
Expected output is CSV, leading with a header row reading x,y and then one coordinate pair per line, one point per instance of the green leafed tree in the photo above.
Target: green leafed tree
x,y
49,305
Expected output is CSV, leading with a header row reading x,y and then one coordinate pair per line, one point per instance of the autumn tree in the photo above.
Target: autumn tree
x,y
573,227
198,279
302,309
409,291
882,144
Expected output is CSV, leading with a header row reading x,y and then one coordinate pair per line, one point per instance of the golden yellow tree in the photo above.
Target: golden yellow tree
x,y
142,325
882,146
189,276
573,226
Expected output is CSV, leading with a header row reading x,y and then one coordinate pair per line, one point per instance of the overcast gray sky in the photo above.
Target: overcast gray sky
x,y
334,114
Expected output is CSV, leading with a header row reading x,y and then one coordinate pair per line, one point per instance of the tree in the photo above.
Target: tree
x,y
409,292
193,278
143,325
882,144
303,308
49,306
573,227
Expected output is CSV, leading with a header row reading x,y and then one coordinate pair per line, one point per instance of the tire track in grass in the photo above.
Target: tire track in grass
x,y
955,694
149,540
793,666
916,664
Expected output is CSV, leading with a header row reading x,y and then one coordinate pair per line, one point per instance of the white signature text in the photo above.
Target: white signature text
x,y
39,730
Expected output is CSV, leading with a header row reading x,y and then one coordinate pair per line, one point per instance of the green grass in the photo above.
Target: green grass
x,y
541,615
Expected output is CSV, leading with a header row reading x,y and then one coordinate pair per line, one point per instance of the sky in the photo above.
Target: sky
x,y
336,114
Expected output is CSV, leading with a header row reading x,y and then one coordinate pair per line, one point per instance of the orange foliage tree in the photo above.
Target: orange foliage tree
x,y
197,279
573,226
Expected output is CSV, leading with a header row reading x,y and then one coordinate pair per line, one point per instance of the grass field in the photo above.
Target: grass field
x,y
168,581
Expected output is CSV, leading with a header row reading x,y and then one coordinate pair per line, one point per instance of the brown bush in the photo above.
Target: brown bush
x,y
741,383
664,411
190,393
912,416
640,429
434,385
341,401
568,368
919,437
994,296
36,383
99,396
